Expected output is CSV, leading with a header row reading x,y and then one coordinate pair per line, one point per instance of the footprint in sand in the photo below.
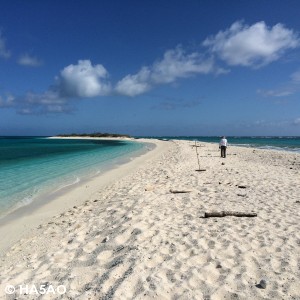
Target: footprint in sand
x,y
104,256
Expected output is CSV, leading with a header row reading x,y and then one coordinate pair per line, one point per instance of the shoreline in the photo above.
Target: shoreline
x,y
24,219
140,239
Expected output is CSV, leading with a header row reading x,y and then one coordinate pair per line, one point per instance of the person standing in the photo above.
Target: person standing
x,y
223,145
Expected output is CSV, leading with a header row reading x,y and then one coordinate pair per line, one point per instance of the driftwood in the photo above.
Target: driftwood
x,y
242,187
180,191
220,214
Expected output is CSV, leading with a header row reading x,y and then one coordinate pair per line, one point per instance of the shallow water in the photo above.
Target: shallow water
x,y
30,166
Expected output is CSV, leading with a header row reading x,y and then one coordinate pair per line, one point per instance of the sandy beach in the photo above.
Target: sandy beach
x,y
139,231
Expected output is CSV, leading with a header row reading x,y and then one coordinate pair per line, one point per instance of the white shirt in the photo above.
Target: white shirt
x,y
223,142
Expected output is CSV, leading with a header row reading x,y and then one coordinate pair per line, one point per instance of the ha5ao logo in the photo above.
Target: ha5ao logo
x,y
33,289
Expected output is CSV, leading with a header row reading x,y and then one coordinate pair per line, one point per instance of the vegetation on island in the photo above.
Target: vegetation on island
x,y
95,134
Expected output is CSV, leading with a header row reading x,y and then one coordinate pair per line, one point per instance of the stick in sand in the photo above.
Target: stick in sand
x,y
180,191
220,214
199,170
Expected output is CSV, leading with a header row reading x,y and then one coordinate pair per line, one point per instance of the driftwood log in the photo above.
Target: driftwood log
x,y
220,214
180,191
242,187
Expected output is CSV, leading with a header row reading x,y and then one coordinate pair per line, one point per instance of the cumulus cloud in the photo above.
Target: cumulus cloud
x,y
174,65
132,85
3,50
83,80
29,61
252,46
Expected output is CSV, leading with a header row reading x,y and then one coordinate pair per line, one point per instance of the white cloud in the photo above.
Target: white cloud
x,y
297,121
83,80
283,92
44,103
29,61
175,64
133,85
47,98
253,46
3,51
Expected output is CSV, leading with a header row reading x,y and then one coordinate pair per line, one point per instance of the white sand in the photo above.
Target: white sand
x,y
136,240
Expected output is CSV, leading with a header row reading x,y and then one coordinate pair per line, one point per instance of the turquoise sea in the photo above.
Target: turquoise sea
x,y
31,167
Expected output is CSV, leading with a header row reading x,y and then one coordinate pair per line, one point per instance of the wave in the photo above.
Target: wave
x,y
285,148
77,180
21,203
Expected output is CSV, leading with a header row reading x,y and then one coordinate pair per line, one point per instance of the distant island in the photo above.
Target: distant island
x,y
95,134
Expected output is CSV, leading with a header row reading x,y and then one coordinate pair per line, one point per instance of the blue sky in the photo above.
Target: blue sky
x,y
150,67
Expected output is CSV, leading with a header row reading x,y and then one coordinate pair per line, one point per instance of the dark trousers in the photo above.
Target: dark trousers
x,y
223,151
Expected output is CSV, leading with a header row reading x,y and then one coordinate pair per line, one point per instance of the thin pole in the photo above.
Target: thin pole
x,y
197,155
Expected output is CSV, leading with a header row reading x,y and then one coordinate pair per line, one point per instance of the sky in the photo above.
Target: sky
x,y
150,68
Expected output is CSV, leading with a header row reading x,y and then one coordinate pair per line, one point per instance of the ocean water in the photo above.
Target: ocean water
x,y
31,167
286,143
